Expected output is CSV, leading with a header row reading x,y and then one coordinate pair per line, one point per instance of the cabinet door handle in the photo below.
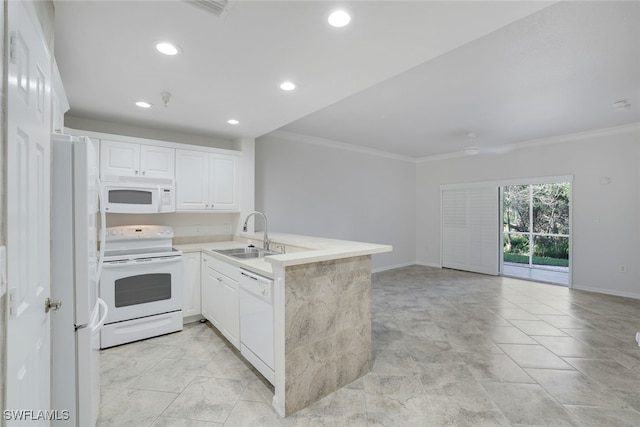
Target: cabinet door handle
x,y
136,172
144,172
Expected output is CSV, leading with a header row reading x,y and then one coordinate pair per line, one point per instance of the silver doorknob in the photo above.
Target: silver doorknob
x,y
50,304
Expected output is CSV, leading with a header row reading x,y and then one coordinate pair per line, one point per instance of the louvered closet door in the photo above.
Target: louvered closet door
x,y
470,230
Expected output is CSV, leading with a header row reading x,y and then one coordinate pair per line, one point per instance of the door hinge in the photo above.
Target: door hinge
x,y
13,51
13,303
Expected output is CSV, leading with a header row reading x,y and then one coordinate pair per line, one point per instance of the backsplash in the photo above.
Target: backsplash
x,y
187,227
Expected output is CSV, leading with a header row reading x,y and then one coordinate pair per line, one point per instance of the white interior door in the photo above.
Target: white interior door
x,y
28,173
470,228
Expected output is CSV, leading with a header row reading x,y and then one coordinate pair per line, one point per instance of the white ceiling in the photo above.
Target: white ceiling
x,y
411,78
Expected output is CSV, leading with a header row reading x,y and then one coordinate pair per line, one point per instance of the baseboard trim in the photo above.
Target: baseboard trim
x,y
606,291
428,264
408,264
192,319
392,267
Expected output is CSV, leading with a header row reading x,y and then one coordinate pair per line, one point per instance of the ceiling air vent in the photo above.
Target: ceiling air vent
x,y
219,8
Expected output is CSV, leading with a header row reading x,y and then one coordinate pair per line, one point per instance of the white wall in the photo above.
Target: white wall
x,y
599,248
247,179
324,191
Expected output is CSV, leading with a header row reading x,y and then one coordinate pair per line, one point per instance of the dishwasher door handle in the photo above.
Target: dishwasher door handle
x,y
248,275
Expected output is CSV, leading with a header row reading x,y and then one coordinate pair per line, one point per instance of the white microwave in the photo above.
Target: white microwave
x,y
139,197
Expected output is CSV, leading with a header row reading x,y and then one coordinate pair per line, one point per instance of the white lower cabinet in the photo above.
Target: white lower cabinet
x,y
191,284
220,298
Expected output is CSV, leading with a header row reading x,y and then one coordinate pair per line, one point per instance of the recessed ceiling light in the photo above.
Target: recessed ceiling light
x,y
233,121
143,104
339,18
287,86
167,48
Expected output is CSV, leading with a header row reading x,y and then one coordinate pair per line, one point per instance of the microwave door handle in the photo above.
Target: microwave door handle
x,y
159,199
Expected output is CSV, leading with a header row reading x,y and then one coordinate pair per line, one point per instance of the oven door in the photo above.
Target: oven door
x,y
142,287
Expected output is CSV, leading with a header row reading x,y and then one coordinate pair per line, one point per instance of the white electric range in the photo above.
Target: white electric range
x,y
141,283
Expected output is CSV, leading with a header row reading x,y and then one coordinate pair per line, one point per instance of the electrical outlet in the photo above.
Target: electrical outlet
x,y
623,268
227,228
638,338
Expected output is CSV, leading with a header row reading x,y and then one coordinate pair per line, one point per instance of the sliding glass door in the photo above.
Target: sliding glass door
x,y
536,231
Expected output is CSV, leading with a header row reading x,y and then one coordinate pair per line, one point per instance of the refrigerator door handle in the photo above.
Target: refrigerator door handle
x,y
103,228
98,326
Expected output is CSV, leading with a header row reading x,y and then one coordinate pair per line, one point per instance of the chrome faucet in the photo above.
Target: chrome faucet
x,y
265,243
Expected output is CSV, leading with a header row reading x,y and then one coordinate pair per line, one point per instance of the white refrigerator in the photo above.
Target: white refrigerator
x,y
75,270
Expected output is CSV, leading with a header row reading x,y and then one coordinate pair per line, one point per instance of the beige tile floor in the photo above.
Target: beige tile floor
x,y
449,348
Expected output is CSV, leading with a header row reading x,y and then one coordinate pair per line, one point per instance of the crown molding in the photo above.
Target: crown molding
x,y
507,148
291,136
502,149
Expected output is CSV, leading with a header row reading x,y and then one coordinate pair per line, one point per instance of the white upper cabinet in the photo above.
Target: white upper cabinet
x,y
192,183
206,181
223,183
157,162
129,159
119,159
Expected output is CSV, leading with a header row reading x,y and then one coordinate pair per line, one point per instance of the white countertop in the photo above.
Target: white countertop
x,y
303,250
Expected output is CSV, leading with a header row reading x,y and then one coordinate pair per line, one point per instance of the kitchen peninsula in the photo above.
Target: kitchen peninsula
x,y
322,311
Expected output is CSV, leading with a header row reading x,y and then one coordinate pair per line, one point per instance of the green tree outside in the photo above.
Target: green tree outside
x,y
537,209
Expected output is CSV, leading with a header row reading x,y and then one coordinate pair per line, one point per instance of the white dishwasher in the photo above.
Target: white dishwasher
x,y
256,323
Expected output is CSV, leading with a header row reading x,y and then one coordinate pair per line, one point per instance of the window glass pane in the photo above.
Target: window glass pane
x,y
142,289
516,248
551,208
516,208
552,251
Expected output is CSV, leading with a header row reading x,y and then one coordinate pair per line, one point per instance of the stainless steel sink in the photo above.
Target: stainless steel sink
x,y
245,253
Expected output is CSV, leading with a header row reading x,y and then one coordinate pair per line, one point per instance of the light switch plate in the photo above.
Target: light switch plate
x,y
3,270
